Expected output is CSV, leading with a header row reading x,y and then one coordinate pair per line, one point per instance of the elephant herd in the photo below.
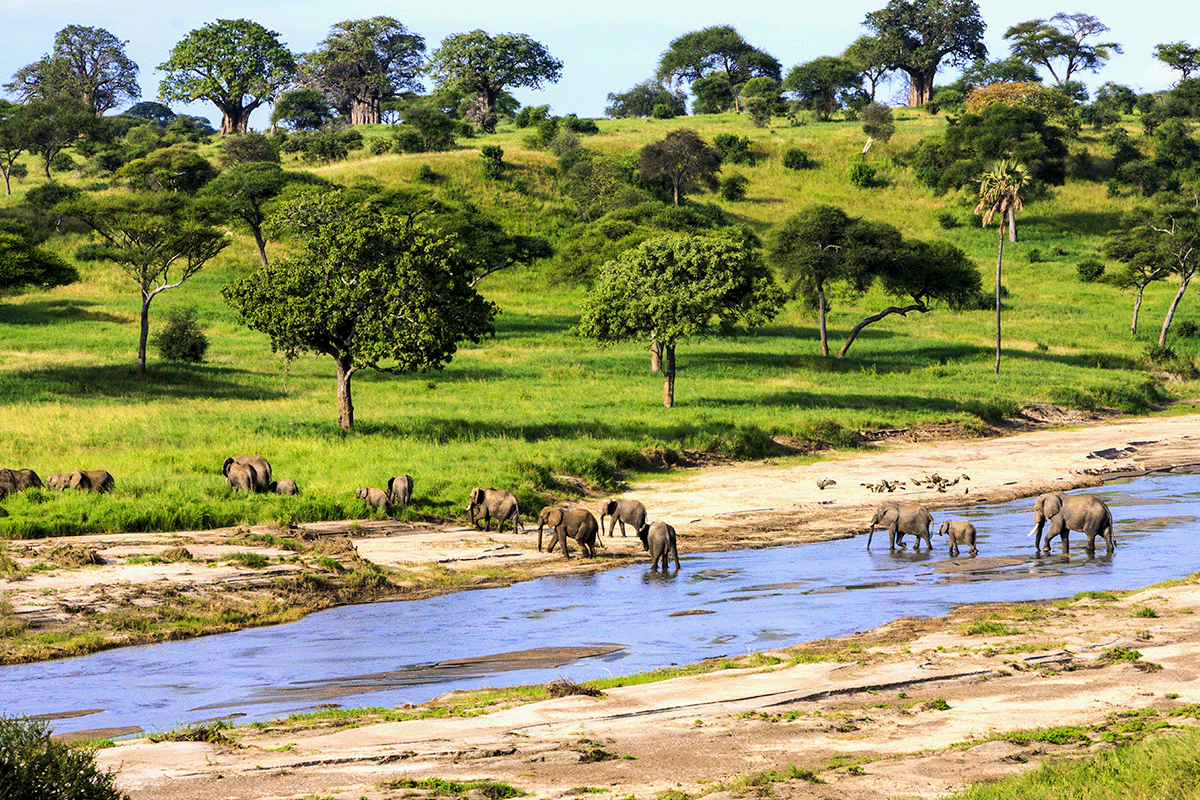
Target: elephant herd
x,y
88,480
1085,514
573,522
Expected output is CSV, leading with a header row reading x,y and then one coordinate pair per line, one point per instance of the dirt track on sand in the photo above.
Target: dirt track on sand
x,y
870,725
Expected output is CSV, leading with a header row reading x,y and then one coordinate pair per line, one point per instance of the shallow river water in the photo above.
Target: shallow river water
x,y
386,654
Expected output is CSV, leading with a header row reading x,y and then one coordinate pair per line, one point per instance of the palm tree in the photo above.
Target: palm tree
x,y
1001,192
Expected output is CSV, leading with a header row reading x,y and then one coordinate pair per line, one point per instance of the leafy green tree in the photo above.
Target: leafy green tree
x,y
237,65
982,72
917,35
33,765
484,247
302,110
823,85
366,288
244,193
159,240
88,64
1179,56
1002,193
712,94
23,263
641,100
367,61
160,115
878,122
870,59
716,51
246,148
15,138
53,125
178,168
683,159
680,286
481,67
1062,39
426,128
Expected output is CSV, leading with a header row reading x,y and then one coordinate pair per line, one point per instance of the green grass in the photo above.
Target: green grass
x,y
535,401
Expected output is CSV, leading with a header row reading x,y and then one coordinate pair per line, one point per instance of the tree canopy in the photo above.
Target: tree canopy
x,y
1179,56
1062,39
366,61
481,66
237,65
89,64
645,100
245,192
679,286
824,85
718,51
23,263
683,159
915,36
366,288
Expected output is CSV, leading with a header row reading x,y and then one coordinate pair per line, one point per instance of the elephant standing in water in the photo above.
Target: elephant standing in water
x,y
901,518
659,538
498,504
960,531
1065,513
625,512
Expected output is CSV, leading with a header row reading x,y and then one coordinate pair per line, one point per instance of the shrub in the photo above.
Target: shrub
x,y
795,158
1090,270
1186,329
662,111
734,149
1035,255
379,147
181,338
426,174
734,187
863,175
947,220
62,162
493,165
32,765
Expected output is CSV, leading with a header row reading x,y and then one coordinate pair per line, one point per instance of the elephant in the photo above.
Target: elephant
x,y
960,531
899,519
286,486
1084,513
92,480
58,482
262,469
375,498
243,477
659,538
630,512
6,489
498,504
21,479
569,521
400,489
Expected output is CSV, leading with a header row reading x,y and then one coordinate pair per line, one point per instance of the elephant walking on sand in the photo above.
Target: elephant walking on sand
x,y
569,522
498,504
625,512
1065,513
901,518
960,531
659,538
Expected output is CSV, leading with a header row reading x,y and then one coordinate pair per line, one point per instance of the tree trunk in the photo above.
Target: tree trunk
x,y
144,334
920,87
668,371
1012,224
345,407
655,353
262,244
1137,307
821,321
875,318
1184,280
999,260
364,111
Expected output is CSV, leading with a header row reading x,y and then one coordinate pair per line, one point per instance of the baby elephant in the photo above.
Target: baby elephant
x,y
375,498
659,539
400,489
286,486
960,532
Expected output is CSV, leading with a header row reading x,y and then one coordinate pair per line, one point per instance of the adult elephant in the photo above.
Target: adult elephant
x,y
21,479
498,504
400,488
901,518
242,477
569,522
91,480
625,512
1084,513
659,538
262,469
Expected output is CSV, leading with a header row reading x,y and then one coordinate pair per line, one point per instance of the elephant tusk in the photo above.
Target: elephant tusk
x,y
1032,531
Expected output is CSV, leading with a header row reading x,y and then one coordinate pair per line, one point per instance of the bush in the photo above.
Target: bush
x,y
1035,255
35,767
1186,329
62,162
1090,270
662,111
947,220
181,339
493,165
863,175
795,158
734,187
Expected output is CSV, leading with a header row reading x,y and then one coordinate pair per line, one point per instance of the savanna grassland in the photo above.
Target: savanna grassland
x,y
536,402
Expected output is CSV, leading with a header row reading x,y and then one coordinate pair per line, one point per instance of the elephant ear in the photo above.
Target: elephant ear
x,y
229,462
1053,504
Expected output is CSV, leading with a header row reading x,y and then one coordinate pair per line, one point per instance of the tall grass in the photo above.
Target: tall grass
x,y
536,402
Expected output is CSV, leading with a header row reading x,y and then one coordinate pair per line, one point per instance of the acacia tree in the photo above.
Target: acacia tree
x,y
917,35
237,65
1137,248
868,55
680,286
1002,192
718,51
23,263
158,239
823,85
481,66
14,139
1179,56
1061,38
51,126
367,61
86,63
246,190
366,288
683,159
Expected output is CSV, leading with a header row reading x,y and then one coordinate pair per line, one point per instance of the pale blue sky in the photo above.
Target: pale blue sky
x,y
605,46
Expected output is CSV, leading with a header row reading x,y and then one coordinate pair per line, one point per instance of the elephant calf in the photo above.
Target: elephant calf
x,y
286,486
630,512
960,531
659,538
375,498
400,489
569,522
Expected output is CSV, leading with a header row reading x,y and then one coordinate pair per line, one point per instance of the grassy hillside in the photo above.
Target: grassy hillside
x,y
535,401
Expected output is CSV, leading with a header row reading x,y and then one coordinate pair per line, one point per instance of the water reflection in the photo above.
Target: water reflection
x,y
719,604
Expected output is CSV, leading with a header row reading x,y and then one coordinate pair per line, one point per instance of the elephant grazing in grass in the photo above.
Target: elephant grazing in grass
x,y
1084,513
901,518
374,498
498,504
625,512
20,479
960,531
287,486
659,538
569,522
92,480
400,489
243,477
262,470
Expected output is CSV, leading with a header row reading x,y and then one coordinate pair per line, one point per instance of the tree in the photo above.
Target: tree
x,y
89,64
53,125
484,247
237,65
823,85
683,159
917,35
679,286
158,239
878,122
15,138
1179,56
481,66
367,288
245,191
23,263
1001,192
868,56
302,110
160,115
922,272
1137,248
719,50
643,99
1043,42
367,61
33,764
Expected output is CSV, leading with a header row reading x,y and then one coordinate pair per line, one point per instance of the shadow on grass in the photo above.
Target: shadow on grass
x,y
161,381
46,312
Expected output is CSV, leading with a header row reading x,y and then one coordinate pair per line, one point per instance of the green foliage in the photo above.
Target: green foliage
x,y
733,188
246,148
493,164
720,57
797,159
683,160
863,174
33,767
647,99
302,110
181,338
24,264
824,85
440,787
1090,270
